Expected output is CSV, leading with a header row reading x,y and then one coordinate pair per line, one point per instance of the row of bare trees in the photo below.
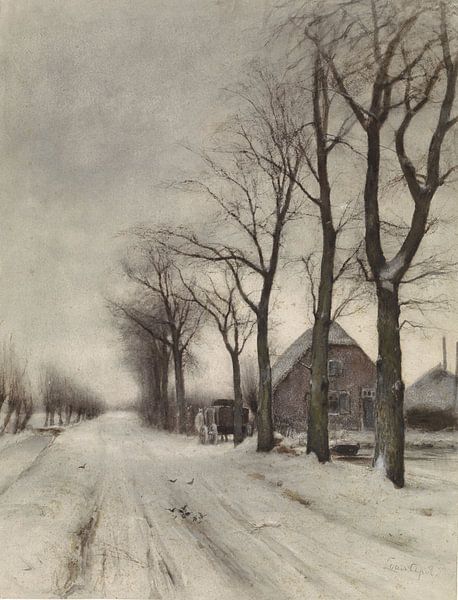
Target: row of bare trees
x,y
64,399
157,325
170,304
358,77
15,390
61,397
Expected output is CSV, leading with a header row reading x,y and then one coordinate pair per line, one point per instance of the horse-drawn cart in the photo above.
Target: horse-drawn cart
x,y
218,420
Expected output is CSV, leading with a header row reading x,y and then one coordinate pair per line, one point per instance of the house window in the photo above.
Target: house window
x,y
335,368
368,393
339,403
333,404
344,403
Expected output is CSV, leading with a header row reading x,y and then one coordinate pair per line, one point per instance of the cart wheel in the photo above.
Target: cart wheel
x,y
203,434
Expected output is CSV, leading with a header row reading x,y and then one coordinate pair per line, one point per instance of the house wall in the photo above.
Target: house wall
x,y
290,396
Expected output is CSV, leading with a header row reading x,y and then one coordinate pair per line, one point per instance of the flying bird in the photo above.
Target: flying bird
x,y
82,466
190,482
172,510
172,480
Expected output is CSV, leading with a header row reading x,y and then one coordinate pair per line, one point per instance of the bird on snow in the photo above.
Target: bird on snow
x,y
82,466
190,482
172,480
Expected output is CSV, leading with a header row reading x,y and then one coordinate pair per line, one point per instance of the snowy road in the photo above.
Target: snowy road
x,y
90,517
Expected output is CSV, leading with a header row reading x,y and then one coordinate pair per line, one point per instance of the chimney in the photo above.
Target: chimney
x,y
444,353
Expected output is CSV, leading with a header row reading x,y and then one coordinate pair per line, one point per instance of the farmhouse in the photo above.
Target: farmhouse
x,y
352,380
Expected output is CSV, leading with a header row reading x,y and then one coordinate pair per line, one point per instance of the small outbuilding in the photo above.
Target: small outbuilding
x,y
352,382
431,402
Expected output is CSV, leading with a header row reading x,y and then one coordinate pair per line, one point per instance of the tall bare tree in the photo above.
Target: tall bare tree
x,y
255,202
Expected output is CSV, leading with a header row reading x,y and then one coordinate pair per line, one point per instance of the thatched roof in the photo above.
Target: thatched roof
x,y
294,353
435,389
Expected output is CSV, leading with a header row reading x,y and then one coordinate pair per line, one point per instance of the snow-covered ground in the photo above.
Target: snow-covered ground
x,y
95,514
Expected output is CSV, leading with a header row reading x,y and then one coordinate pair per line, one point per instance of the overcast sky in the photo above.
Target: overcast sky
x,y
98,97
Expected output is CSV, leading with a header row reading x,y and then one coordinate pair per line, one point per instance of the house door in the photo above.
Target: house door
x,y
368,413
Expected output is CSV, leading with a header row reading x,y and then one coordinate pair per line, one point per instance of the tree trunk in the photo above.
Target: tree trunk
x,y
265,421
163,364
179,390
389,424
17,417
165,394
154,394
7,417
317,427
317,430
238,399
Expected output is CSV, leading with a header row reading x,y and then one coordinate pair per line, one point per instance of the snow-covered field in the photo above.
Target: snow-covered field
x,y
94,513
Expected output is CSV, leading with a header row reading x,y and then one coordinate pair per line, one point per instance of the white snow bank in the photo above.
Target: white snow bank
x,y
42,512
407,538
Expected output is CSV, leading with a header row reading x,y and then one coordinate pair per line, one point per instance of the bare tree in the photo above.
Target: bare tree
x,y
177,322
407,67
255,202
220,300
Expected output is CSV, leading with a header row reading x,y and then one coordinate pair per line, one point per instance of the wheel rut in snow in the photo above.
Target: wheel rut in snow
x,y
118,551
164,576
77,565
274,546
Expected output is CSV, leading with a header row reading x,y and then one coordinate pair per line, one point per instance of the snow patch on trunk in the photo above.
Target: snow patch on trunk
x,y
390,271
380,463
392,267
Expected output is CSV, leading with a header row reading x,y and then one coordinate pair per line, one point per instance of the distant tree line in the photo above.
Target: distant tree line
x,y
64,399
16,399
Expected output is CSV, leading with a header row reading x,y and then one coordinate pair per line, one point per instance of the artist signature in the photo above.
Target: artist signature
x,y
414,568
